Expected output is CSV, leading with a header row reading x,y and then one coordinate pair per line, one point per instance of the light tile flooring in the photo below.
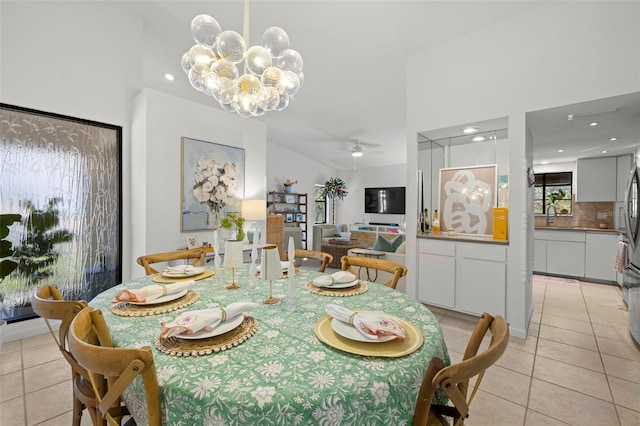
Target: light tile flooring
x,y
579,366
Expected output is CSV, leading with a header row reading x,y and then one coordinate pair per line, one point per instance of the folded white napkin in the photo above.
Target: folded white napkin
x,y
373,325
283,264
179,269
340,277
204,319
152,292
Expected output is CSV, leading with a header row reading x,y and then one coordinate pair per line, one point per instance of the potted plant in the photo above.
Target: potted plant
x,y
555,196
232,219
288,183
334,188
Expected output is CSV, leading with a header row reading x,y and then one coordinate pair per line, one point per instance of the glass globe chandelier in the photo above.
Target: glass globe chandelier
x,y
248,81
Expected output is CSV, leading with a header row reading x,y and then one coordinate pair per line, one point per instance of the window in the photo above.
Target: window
x,y
321,205
553,188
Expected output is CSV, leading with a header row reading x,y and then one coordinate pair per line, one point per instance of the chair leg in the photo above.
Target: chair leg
x,y
77,412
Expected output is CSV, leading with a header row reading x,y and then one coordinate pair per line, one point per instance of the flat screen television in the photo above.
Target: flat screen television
x,y
384,200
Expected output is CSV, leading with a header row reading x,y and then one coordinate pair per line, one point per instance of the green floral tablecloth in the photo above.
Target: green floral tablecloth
x,y
282,375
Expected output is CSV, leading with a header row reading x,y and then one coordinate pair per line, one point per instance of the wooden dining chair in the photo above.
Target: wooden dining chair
x,y
111,370
196,255
48,303
454,379
322,257
395,269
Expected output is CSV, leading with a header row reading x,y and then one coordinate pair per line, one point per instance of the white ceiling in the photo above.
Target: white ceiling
x,y
354,63
617,116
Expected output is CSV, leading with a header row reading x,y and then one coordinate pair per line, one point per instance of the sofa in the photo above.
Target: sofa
x,y
397,256
323,233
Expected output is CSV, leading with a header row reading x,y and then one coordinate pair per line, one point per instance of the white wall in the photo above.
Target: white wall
x,y
160,122
351,209
555,54
283,163
78,59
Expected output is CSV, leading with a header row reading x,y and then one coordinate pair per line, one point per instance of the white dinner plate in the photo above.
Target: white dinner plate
x,y
350,332
189,273
220,329
342,285
163,299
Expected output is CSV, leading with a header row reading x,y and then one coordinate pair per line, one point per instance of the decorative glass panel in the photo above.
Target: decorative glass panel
x,y
62,175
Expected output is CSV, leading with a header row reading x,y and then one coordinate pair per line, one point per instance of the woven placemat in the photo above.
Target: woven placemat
x,y
182,347
159,278
126,309
360,288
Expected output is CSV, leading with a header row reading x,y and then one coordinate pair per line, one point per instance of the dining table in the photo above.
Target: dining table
x,y
288,367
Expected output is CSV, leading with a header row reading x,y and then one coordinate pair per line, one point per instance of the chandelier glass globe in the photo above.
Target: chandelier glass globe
x,y
246,80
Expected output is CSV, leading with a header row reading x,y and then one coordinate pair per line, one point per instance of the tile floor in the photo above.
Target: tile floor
x,y
579,366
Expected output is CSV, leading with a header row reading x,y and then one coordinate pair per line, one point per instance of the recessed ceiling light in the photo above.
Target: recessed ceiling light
x,y
544,162
604,152
561,150
478,139
613,139
595,123
468,130
169,77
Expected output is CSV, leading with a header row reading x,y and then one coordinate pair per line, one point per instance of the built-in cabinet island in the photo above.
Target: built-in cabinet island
x,y
463,268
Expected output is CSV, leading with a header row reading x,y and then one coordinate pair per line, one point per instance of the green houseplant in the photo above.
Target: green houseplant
x,y
555,196
334,188
233,219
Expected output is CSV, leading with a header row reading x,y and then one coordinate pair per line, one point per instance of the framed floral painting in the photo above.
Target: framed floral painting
x,y
212,183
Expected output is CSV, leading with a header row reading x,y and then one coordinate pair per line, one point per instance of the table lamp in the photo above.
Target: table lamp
x,y
270,269
253,210
233,260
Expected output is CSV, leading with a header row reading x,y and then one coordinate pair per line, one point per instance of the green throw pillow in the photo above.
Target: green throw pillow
x,y
396,243
382,244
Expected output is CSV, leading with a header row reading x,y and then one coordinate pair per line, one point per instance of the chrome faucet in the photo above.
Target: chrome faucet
x,y
555,214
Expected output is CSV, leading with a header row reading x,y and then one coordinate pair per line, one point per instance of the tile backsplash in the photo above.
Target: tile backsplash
x,y
585,215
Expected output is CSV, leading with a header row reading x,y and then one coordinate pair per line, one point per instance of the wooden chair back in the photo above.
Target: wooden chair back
x,y
395,269
322,257
48,303
197,256
454,379
111,370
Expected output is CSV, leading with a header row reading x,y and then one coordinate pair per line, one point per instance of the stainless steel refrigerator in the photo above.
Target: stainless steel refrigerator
x,y
631,271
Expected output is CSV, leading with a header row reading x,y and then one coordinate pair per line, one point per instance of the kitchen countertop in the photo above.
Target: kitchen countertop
x,y
470,238
578,228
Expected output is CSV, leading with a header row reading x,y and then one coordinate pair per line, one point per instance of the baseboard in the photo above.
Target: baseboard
x,y
24,329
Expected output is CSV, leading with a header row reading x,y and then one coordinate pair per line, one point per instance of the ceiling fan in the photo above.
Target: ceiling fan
x,y
357,151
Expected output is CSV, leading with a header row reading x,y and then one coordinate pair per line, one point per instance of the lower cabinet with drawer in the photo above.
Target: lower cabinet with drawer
x,y
466,277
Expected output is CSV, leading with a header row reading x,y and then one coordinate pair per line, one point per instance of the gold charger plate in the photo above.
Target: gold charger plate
x,y
176,346
159,278
391,349
359,288
125,309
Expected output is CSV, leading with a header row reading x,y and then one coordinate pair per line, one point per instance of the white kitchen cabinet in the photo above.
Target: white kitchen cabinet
x,y
539,255
437,279
466,277
596,179
481,279
600,256
436,272
565,258
623,172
